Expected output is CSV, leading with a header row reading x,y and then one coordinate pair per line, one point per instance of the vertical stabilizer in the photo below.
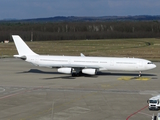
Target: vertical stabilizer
x,y
21,46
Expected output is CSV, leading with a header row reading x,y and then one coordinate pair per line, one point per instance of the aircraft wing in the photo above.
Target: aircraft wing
x,y
81,66
78,66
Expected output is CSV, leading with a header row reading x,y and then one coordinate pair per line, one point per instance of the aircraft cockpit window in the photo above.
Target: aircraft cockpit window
x,y
149,63
152,101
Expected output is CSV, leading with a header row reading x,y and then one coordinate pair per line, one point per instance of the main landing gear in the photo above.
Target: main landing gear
x,y
75,72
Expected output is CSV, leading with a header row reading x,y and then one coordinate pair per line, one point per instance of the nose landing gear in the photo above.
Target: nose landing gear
x,y
140,74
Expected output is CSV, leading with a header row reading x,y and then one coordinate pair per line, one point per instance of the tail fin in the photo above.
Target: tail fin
x,y
22,47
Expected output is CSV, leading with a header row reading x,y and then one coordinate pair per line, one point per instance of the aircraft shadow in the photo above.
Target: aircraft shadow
x,y
70,77
123,74
44,72
62,77
39,72
83,75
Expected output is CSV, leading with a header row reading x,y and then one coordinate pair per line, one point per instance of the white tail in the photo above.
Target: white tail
x,y
21,46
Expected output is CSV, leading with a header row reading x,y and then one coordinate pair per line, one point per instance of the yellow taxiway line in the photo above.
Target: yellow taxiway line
x,y
126,78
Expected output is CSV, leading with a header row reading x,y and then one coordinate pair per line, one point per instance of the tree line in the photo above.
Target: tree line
x,y
80,30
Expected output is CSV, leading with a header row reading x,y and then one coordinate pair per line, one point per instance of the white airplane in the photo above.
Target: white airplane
x,y
76,65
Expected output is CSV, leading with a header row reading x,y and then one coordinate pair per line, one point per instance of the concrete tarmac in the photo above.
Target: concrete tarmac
x,y
28,92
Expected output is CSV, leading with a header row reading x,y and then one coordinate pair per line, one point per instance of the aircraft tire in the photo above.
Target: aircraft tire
x,y
73,75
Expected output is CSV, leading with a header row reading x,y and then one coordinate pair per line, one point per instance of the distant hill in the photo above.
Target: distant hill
x,y
86,19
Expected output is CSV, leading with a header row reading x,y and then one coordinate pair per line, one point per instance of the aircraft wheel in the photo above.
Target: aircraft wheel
x,y
73,74
140,74
80,73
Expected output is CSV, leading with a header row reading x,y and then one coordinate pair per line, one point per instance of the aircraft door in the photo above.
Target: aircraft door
x,y
36,60
111,62
69,61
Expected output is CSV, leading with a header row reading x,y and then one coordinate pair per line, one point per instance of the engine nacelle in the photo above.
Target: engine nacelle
x,y
89,71
64,70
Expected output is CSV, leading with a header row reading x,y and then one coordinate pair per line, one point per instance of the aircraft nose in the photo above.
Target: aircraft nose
x,y
154,66
151,66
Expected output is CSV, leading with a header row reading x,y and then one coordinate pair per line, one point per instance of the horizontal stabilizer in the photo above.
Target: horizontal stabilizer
x,y
23,57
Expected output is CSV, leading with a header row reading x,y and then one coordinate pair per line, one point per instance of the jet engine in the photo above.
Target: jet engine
x,y
64,70
89,71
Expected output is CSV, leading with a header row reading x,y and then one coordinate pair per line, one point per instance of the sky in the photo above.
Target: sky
x,y
26,9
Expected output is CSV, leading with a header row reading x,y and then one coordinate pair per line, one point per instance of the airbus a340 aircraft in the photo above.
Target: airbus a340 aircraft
x,y
76,65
